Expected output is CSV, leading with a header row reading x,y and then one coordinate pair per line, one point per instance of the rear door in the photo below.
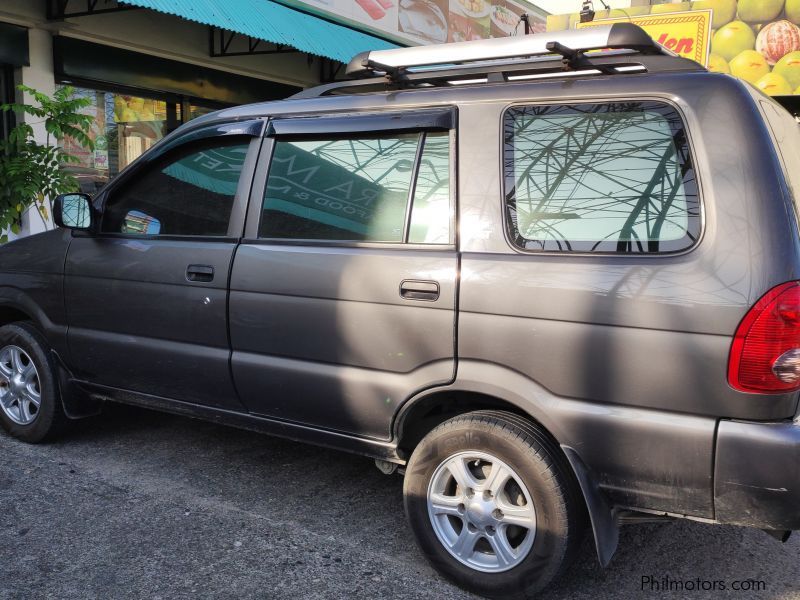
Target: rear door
x,y
147,296
343,293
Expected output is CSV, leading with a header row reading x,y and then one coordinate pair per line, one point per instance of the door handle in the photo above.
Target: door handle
x,y
412,289
200,273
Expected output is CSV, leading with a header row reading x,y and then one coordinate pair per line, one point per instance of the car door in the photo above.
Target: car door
x,y
343,291
146,295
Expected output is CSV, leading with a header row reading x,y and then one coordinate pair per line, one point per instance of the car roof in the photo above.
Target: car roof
x,y
552,89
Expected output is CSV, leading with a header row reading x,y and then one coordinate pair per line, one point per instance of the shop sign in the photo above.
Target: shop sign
x,y
755,40
685,33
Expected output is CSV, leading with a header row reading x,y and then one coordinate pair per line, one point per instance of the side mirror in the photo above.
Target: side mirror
x,y
73,211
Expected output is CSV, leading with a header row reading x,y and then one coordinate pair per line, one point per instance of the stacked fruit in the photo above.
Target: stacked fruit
x,y
757,40
130,109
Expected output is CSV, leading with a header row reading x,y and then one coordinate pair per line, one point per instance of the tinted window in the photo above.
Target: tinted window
x,y
346,189
358,189
189,192
599,178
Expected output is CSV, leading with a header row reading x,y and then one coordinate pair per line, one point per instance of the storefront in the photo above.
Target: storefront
x,y
149,66
137,99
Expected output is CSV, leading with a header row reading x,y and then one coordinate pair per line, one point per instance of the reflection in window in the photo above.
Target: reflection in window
x,y
190,192
123,128
346,189
75,211
430,214
600,178
138,222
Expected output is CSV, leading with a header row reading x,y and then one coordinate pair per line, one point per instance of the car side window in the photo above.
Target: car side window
x,y
359,189
187,192
613,178
431,211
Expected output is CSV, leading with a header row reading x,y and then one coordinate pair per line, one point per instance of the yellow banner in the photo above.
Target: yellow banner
x,y
685,33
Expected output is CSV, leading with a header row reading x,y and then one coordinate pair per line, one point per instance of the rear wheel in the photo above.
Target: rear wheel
x,y
30,405
493,504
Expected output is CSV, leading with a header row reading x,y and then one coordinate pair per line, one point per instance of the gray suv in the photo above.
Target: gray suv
x,y
559,288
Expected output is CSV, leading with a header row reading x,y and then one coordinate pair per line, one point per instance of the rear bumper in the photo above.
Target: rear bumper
x,y
757,475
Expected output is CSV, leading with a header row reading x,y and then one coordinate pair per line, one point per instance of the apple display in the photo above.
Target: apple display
x,y
789,68
732,39
793,11
774,85
717,64
759,11
723,11
749,65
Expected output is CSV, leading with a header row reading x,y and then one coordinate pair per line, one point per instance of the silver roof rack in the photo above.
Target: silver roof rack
x,y
569,44
625,47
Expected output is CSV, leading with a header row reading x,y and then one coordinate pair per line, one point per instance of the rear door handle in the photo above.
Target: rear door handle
x,y
200,273
413,289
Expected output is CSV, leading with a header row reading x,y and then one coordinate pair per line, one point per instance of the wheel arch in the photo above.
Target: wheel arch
x,y
482,386
16,305
10,313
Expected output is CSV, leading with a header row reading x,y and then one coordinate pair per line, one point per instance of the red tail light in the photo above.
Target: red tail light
x,y
765,355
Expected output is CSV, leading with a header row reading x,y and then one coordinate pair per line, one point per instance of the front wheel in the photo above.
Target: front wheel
x,y
30,404
493,504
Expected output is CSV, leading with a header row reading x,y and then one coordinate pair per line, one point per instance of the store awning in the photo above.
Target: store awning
x,y
272,22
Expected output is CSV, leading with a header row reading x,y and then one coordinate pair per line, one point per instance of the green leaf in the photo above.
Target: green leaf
x,y
31,172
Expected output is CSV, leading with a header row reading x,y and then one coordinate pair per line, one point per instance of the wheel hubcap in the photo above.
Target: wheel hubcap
x,y
20,391
481,511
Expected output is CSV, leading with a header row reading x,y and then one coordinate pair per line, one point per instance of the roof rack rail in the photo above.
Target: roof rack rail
x,y
607,49
616,36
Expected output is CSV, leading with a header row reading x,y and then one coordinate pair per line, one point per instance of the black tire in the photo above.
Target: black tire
x,y
50,418
538,461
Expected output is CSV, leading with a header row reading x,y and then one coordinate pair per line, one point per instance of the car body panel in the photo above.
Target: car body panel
x,y
32,271
136,322
638,457
757,474
328,325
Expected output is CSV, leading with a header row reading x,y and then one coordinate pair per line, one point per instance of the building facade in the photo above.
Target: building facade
x,y
147,71
148,66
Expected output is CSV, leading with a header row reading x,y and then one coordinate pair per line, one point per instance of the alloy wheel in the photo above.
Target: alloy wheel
x,y
481,511
20,388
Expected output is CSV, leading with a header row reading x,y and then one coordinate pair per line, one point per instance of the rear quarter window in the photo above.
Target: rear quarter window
x,y
600,177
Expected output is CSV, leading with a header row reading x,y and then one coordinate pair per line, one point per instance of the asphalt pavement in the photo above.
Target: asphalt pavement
x,y
137,504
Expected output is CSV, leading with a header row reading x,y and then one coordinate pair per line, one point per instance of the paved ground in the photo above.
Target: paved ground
x,y
135,504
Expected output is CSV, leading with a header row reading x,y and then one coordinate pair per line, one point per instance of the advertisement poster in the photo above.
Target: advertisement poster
x,y
756,40
685,33
429,21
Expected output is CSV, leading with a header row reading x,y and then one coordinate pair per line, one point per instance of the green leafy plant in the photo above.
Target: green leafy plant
x,y
32,173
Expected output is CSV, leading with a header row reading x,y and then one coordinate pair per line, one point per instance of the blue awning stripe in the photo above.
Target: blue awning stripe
x,y
272,22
